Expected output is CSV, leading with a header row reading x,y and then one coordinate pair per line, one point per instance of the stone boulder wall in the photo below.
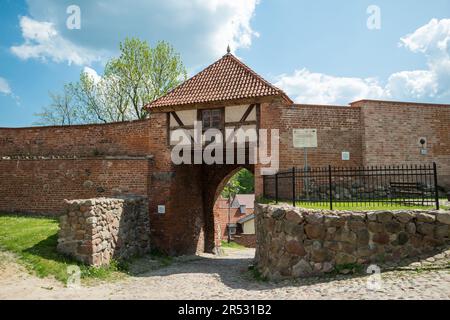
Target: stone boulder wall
x,y
95,231
293,242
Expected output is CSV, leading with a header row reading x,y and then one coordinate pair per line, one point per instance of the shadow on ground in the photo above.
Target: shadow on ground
x,y
47,249
233,270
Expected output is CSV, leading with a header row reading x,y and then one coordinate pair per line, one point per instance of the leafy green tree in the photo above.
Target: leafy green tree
x,y
146,73
138,76
241,183
247,181
231,189
103,100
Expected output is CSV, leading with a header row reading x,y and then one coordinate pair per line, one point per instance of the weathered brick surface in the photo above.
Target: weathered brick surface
x,y
339,129
246,240
40,186
374,132
181,230
392,132
124,138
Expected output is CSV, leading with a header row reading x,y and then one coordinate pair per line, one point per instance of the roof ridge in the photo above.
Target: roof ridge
x,y
251,71
228,78
184,82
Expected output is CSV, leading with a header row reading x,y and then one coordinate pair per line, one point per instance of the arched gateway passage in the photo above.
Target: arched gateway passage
x,y
226,96
188,193
216,177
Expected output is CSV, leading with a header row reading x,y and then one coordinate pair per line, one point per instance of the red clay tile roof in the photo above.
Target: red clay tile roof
x,y
226,79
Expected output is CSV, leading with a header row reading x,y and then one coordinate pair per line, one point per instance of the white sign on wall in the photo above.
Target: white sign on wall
x,y
305,138
161,209
345,155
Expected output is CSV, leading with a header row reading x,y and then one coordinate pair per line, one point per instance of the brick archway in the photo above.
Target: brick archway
x,y
189,193
215,177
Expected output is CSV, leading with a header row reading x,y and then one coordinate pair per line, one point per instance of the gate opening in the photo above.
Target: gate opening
x,y
233,211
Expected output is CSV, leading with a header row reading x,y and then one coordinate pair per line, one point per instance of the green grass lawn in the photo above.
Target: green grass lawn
x,y
231,245
348,206
33,240
360,207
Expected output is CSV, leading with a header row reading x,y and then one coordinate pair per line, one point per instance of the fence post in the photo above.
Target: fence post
x,y
276,188
293,186
436,192
330,187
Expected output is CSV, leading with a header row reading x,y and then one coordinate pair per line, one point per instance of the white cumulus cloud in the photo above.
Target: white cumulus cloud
x,y
430,38
4,86
317,88
43,41
199,29
418,84
96,78
432,84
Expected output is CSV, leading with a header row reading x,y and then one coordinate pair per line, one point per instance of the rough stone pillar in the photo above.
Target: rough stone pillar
x,y
96,231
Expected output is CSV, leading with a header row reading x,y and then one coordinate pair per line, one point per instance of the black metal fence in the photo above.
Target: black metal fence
x,y
408,185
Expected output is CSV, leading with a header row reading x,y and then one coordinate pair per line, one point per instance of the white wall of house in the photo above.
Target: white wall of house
x,y
231,115
248,227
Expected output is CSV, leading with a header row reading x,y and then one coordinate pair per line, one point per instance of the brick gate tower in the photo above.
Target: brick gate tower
x,y
226,95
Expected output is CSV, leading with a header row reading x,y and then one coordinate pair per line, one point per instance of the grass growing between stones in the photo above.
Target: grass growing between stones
x,y
349,268
231,245
164,259
356,207
33,240
256,275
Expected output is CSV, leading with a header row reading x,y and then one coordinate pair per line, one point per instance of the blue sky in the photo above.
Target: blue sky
x,y
317,51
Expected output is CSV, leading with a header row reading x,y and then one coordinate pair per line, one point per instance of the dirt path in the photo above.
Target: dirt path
x,y
210,277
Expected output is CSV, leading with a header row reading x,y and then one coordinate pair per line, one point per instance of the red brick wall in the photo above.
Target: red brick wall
x,y
374,132
246,240
125,138
189,191
392,132
40,186
221,216
181,230
111,156
339,129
